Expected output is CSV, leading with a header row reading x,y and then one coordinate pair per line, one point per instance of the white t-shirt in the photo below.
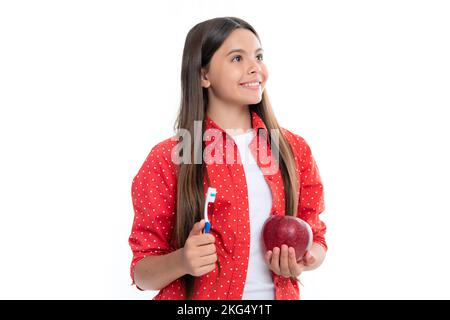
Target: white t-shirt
x,y
259,284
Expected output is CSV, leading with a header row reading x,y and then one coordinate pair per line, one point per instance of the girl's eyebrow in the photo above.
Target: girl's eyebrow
x,y
242,50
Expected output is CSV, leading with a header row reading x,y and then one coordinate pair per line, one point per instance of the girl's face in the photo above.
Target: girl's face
x,y
229,69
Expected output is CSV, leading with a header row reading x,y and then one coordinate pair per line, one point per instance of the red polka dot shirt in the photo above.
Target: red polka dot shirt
x,y
154,195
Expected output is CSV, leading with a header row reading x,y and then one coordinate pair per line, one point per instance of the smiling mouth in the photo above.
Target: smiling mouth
x,y
251,85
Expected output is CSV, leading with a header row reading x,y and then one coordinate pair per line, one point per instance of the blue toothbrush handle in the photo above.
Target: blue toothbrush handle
x,y
207,227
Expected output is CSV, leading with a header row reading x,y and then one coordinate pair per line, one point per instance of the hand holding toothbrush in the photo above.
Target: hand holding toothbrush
x,y
199,252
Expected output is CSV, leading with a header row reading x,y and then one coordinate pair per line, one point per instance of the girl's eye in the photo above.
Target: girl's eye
x,y
260,56
236,57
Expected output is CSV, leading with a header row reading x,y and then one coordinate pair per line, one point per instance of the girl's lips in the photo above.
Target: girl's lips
x,y
258,87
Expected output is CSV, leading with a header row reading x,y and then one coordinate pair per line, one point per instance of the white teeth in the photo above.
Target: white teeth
x,y
250,84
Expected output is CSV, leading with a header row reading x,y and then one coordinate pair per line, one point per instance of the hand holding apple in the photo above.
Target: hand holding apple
x,y
284,263
289,230
288,240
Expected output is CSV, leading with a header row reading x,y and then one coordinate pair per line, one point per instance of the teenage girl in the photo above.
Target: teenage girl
x,y
227,137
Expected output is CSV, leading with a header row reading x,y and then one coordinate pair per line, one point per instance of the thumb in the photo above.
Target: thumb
x,y
197,228
309,259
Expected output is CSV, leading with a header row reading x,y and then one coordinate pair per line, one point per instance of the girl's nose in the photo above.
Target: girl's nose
x,y
254,67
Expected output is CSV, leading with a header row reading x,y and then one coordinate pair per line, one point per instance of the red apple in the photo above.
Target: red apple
x,y
291,231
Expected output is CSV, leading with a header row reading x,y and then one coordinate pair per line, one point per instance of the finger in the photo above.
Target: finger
x,y
308,259
294,267
197,228
207,260
284,262
275,262
308,255
311,261
207,250
207,268
204,239
267,257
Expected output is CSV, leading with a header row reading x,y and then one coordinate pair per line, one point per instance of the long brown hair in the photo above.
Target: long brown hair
x,y
201,43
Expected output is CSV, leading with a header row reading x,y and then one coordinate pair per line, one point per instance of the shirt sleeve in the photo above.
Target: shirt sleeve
x,y
153,193
311,199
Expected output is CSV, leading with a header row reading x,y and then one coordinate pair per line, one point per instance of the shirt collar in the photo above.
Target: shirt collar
x,y
257,124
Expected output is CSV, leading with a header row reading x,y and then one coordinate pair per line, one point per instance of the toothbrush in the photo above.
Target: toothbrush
x,y
210,198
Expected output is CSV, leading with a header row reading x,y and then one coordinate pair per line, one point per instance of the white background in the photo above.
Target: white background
x,y
88,87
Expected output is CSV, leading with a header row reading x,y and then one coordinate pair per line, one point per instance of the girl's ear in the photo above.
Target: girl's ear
x,y
204,79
